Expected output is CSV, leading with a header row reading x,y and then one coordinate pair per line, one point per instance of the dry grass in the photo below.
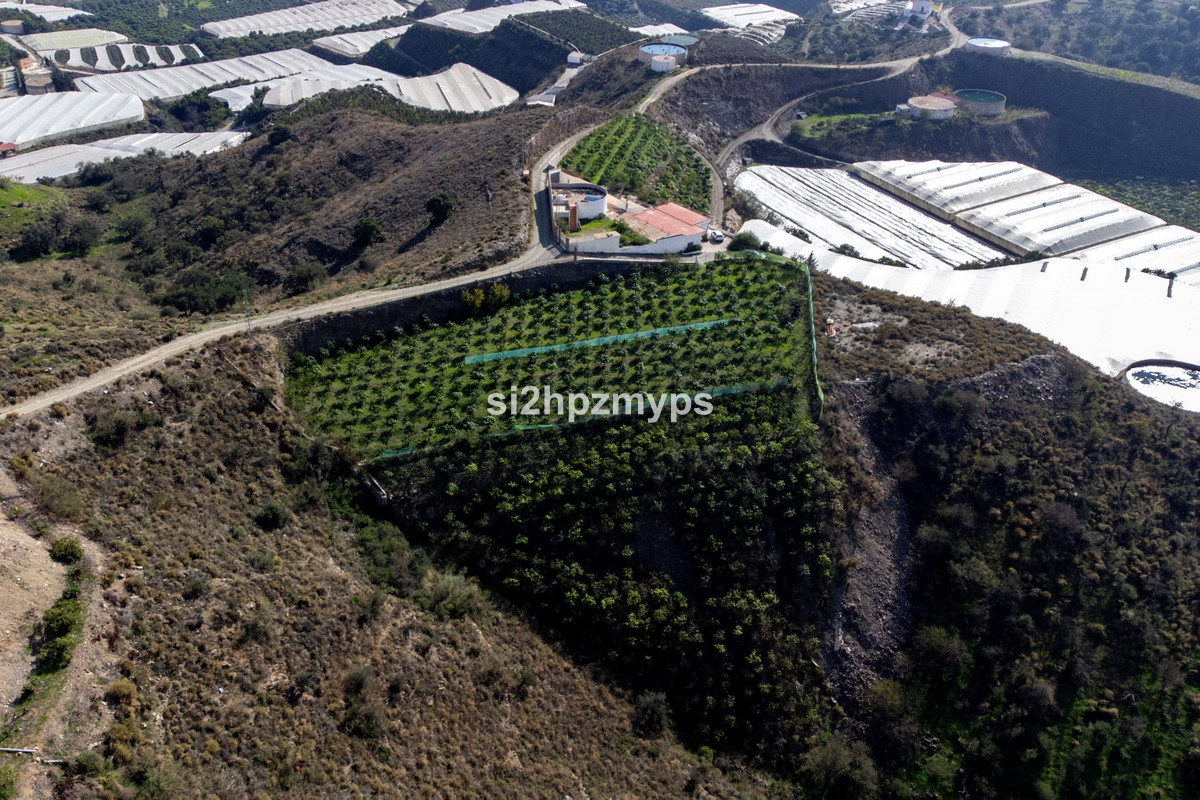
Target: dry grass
x,y
242,640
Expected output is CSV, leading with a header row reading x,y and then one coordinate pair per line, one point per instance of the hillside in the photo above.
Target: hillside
x,y
140,241
513,53
981,559
1096,124
248,653
712,109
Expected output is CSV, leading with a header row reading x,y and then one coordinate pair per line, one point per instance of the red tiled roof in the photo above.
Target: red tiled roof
x,y
6,146
682,214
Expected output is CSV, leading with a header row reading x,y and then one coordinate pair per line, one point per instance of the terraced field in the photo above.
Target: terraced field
x,y
633,154
725,327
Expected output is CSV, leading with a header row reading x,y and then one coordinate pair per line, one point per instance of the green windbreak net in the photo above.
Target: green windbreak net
x,y
598,341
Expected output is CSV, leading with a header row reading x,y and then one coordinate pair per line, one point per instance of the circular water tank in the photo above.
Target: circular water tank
x,y
926,107
982,102
12,26
662,63
991,47
648,51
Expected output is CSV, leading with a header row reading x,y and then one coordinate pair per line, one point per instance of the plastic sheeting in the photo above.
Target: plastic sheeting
x,y
327,15
48,13
1055,221
1102,316
172,83
744,15
64,160
1171,250
948,188
838,209
484,20
37,118
356,45
333,76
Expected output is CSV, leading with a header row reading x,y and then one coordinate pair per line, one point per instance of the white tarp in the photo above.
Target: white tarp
x,y
1055,221
356,45
348,76
64,160
326,15
48,13
837,208
36,118
486,19
63,40
172,83
948,188
459,88
666,29
744,15
1100,315
1169,249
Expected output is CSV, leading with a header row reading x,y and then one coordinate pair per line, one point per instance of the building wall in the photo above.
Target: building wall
x,y
611,244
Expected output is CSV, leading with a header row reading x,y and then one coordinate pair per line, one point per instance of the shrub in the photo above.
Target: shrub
x,y
450,596
745,241
439,207
61,618
273,516
303,278
359,681
110,428
66,550
56,654
365,231
651,714
121,693
88,763
58,497
8,781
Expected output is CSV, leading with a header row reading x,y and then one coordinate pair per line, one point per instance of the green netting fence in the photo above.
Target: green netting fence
x,y
596,342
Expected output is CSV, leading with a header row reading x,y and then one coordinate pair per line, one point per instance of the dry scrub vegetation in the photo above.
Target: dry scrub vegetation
x,y
329,203
257,658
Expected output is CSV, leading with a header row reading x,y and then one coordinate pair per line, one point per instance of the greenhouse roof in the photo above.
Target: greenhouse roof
x,y
32,119
63,160
486,19
460,87
346,76
171,83
743,15
1055,221
326,15
949,188
356,45
665,29
48,13
63,40
1099,315
1170,249
837,208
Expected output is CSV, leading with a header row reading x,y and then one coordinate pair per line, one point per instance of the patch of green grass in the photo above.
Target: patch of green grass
x,y
417,389
20,203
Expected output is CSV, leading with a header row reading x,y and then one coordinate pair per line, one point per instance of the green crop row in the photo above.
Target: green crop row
x,y
649,160
417,389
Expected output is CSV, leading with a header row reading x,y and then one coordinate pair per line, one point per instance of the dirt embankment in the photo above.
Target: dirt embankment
x,y
871,611
714,107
